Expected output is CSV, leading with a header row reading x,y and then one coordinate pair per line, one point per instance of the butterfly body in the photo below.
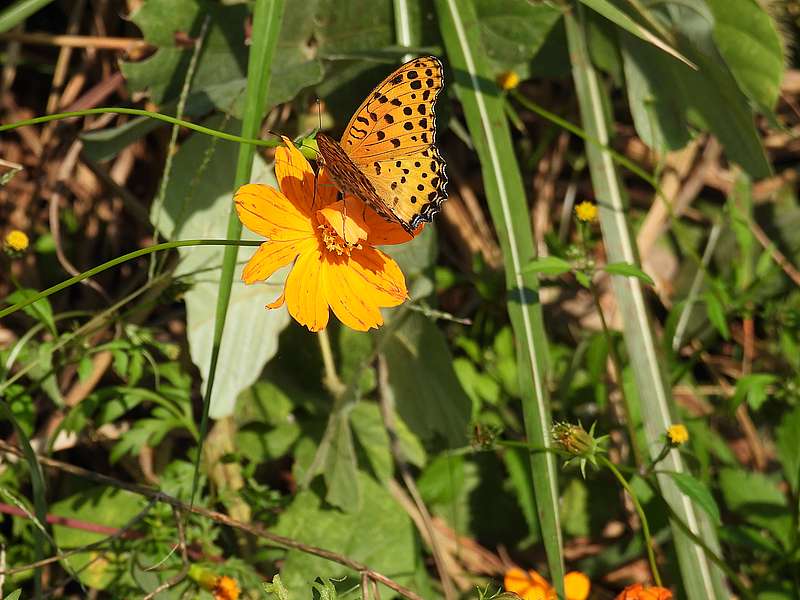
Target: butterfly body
x,y
387,156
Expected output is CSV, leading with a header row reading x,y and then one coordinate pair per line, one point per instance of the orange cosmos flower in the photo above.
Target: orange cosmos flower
x,y
329,241
532,586
638,592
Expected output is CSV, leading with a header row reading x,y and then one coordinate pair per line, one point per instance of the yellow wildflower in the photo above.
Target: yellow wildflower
x,y
17,240
329,242
586,212
507,80
677,434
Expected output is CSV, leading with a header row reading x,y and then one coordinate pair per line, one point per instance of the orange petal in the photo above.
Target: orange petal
x,y
295,176
378,276
345,294
304,291
577,585
278,302
265,211
327,191
346,220
270,257
383,232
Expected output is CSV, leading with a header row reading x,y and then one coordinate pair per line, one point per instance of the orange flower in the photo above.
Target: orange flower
x,y
638,592
226,588
532,586
329,241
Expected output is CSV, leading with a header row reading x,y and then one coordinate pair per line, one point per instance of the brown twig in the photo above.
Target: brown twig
x,y
218,517
129,45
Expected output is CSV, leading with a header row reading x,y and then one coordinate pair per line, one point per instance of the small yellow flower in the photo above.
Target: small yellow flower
x,y
507,80
677,434
586,212
17,240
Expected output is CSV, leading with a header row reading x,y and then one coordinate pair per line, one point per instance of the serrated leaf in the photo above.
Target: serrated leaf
x,y
697,491
41,310
628,270
277,589
753,388
548,265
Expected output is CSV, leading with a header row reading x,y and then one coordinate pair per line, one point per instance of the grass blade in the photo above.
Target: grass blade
x,y
267,17
485,115
702,580
18,12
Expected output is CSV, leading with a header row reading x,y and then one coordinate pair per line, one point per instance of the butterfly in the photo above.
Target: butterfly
x,y
387,156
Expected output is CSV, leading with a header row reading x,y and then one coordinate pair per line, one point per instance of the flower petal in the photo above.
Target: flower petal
x,y
278,302
266,211
295,177
270,257
344,217
304,291
383,232
345,294
327,192
378,277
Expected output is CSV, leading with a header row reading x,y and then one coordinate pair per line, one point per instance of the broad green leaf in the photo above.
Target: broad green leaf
x,y
196,206
619,18
548,265
753,388
513,31
575,509
788,445
391,549
628,270
748,40
340,466
15,595
519,472
104,506
757,499
428,395
698,492
220,77
657,114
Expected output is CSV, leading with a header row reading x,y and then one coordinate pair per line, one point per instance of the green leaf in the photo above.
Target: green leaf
x,y
308,520
619,18
548,265
340,467
428,395
788,445
757,499
575,509
16,13
105,506
753,388
748,40
196,205
628,270
513,31
41,310
716,314
277,589
698,492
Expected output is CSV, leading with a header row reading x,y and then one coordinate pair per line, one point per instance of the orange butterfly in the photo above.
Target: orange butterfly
x,y
387,156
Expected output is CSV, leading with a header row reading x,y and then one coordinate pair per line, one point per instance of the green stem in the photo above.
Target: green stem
x,y
140,113
118,261
331,381
648,540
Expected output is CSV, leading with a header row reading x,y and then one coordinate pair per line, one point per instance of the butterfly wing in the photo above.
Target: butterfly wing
x,y
389,141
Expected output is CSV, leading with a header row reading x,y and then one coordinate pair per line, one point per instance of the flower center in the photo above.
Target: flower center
x,y
334,243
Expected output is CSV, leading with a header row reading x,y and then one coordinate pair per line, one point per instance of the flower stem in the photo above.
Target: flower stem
x,y
331,381
648,540
118,261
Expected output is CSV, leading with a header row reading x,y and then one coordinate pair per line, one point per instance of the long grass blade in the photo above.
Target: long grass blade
x,y
267,17
702,580
485,115
18,12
